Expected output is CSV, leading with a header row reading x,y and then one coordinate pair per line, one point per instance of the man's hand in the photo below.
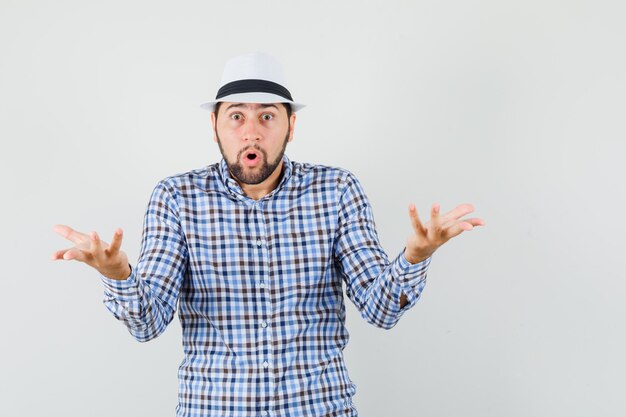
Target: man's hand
x,y
437,231
109,260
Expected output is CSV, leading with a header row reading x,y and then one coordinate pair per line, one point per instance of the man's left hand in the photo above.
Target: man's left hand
x,y
437,231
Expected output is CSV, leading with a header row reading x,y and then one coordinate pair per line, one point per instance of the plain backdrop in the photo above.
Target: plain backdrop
x,y
514,106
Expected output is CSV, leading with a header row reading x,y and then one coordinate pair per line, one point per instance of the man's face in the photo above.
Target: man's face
x,y
252,138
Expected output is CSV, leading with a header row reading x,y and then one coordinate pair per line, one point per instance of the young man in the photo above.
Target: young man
x,y
254,250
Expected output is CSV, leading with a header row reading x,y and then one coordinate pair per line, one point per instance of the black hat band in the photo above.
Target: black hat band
x,y
253,86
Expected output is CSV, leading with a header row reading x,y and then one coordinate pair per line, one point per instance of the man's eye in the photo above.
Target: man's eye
x,y
267,116
235,116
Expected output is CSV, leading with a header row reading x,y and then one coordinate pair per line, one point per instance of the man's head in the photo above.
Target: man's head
x,y
252,137
253,118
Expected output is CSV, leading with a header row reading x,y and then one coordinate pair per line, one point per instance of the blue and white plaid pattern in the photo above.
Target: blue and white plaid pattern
x,y
259,288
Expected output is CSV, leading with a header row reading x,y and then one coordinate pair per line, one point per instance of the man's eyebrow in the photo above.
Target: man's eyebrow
x,y
264,105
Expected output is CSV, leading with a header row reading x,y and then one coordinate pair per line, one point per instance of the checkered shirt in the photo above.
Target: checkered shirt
x,y
259,288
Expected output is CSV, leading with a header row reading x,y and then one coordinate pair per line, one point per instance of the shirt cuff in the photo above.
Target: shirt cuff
x,y
408,273
122,289
411,277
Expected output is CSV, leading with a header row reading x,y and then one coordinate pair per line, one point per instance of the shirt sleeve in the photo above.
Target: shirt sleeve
x,y
146,301
373,283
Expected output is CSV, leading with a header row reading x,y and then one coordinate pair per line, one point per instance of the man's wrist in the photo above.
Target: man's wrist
x,y
414,259
122,275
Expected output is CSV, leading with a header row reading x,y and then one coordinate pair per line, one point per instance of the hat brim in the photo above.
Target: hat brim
x,y
253,98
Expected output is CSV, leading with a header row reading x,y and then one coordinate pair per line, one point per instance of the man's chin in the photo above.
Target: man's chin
x,y
250,175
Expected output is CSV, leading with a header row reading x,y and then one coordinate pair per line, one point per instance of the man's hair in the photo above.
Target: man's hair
x,y
287,107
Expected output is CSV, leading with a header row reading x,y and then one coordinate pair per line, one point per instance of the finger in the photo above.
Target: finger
x,y
116,243
58,254
456,229
75,254
475,221
458,212
96,244
70,234
435,218
415,220
464,225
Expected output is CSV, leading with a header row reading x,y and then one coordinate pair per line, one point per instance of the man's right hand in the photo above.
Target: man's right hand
x,y
107,259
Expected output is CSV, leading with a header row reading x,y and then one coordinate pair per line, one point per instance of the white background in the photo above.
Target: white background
x,y
515,107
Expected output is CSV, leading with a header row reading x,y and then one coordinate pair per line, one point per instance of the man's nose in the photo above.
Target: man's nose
x,y
251,130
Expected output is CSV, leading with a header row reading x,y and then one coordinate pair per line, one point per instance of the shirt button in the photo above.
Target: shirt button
x,y
263,324
266,364
262,284
259,242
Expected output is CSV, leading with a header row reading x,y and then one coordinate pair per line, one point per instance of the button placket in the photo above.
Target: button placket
x,y
262,254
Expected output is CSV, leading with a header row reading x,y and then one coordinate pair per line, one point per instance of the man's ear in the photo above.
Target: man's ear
x,y
213,121
292,123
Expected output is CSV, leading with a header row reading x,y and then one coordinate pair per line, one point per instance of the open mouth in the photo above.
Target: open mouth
x,y
251,158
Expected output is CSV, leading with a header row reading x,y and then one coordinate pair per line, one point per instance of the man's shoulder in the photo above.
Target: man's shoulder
x,y
307,173
321,172
198,177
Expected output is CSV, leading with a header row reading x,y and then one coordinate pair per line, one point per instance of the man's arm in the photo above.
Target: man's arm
x,y
143,298
374,284
146,301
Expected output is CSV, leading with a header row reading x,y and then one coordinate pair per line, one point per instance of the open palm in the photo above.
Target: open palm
x,y
438,230
108,259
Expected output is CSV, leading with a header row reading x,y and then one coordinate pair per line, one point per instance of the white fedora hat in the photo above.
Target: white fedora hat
x,y
253,78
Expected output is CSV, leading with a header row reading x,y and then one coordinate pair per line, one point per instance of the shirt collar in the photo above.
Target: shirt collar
x,y
235,188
